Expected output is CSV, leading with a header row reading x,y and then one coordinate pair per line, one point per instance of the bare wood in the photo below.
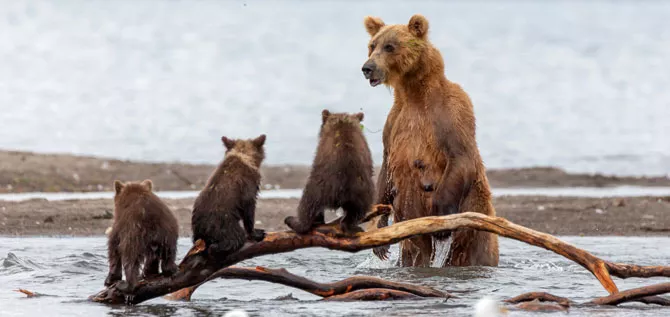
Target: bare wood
x,y
645,294
635,294
656,300
197,266
628,270
326,290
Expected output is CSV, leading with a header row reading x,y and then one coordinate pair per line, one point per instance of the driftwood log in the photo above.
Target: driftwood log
x,y
198,267
342,288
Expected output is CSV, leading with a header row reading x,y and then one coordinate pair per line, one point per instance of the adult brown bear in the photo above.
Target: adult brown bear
x,y
431,163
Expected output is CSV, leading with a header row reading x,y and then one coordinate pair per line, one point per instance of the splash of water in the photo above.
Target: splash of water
x,y
441,252
373,262
236,313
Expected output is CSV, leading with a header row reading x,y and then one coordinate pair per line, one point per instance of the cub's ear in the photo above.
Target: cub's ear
x,y
147,184
418,26
118,186
324,115
259,141
373,25
359,116
228,143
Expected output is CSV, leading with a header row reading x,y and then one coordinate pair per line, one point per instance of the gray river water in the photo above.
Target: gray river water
x,y
71,269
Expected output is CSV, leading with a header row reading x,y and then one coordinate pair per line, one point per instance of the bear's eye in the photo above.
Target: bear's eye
x,y
389,48
372,47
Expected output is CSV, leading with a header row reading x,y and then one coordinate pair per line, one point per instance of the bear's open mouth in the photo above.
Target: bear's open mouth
x,y
375,82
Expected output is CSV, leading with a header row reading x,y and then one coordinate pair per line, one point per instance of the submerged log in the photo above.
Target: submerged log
x,y
325,290
373,294
539,296
197,267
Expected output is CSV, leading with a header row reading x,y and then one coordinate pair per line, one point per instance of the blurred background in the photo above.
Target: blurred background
x,y
571,84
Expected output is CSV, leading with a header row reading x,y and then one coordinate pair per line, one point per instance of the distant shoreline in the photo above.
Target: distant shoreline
x,y
22,172
33,172
621,216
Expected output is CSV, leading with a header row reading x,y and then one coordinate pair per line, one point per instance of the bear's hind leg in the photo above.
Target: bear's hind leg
x,y
151,265
307,220
168,265
229,239
115,264
353,213
131,266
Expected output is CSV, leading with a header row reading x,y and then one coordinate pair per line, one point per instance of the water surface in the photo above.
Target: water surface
x,y
71,269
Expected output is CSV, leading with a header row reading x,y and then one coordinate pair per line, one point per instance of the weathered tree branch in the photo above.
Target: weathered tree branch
x,y
326,290
643,294
198,266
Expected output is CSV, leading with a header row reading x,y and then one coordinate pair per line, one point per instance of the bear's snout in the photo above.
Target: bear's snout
x,y
372,73
368,69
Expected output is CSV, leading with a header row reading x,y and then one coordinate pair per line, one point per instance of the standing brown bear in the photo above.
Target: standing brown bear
x,y
145,231
429,135
341,175
230,196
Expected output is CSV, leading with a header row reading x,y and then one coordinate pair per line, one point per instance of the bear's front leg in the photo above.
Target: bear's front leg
x,y
452,189
386,193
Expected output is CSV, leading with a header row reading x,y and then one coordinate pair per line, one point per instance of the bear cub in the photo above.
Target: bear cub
x,y
341,175
230,196
144,232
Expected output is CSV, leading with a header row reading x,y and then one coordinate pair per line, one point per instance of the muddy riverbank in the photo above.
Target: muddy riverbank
x,y
32,172
633,216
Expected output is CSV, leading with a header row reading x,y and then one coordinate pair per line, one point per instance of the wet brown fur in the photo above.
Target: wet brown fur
x,y
230,196
144,232
431,121
341,175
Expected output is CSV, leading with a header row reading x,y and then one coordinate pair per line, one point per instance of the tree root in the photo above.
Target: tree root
x,y
198,266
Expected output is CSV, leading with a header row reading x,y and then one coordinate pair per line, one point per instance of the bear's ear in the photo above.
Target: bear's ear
x,y
228,143
118,186
373,25
418,26
359,116
324,116
147,184
259,141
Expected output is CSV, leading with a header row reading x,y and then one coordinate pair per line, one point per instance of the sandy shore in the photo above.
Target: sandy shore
x,y
30,172
639,216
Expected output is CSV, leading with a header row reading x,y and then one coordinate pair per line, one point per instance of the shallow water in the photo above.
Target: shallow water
x,y
71,269
619,191
576,84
